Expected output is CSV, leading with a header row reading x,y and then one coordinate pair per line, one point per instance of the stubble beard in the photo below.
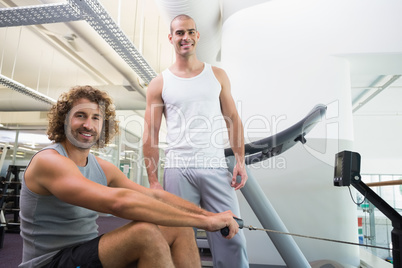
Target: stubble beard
x,y
73,138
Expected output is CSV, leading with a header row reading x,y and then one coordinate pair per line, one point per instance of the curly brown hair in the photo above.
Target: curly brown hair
x,y
58,112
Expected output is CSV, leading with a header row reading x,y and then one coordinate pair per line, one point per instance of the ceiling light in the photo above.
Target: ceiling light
x,y
25,90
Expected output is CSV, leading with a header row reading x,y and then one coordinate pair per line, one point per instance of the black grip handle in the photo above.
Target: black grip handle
x,y
225,231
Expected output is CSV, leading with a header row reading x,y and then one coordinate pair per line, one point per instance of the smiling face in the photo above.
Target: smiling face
x,y
84,124
184,36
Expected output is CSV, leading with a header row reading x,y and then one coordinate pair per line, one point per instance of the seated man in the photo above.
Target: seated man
x,y
64,186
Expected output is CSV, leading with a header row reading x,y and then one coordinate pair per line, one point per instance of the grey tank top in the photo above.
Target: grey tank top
x,y
49,224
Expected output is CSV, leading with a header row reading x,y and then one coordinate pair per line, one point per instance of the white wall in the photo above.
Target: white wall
x,y
378,140
284,57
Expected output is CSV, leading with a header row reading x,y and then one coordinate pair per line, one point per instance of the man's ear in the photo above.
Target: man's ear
x,y
170,38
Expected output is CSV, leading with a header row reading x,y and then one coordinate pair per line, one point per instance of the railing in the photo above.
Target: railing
x,y
374,227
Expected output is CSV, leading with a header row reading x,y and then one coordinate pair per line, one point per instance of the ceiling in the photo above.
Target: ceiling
x,y
50,58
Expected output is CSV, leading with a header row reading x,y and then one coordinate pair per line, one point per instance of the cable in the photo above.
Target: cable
x,y
318,238
351,196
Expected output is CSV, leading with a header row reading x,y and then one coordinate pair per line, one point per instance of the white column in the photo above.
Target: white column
x,y
283,58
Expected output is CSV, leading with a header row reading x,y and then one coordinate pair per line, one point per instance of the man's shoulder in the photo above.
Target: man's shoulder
x,y
157,80
46,156
48,151
104,164
220,74
47,161
155,86
217,69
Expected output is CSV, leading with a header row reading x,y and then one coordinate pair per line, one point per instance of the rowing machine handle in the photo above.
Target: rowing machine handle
x,y
225,231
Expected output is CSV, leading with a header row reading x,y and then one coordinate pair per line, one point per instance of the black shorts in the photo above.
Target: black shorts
x,y
83,255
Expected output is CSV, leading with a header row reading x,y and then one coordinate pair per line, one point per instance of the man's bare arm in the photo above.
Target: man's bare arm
x,y
152,123
59,176
234,126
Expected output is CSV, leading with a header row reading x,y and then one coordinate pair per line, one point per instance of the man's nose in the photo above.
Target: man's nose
x,y
186,37
88,124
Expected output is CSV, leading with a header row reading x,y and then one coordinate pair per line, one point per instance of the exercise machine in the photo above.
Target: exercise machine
x,y
259,151
346,173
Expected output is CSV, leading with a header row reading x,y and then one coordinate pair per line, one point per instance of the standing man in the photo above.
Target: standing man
x,y
193,96
64,186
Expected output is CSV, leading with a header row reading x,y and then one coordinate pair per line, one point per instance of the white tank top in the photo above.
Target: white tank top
x,y
195,125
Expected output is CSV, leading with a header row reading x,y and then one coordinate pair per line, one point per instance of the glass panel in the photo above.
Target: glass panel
x,y
29,142
387,192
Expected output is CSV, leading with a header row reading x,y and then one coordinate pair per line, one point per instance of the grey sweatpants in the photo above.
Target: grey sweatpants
x,y
210,189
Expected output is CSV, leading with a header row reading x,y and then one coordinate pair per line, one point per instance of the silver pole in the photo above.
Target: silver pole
x,y
269,218
3,155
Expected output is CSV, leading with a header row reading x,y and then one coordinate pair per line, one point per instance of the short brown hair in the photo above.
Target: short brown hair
x,y
181,17
57,114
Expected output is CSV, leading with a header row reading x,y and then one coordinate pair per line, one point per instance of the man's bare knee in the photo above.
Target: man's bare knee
x,y
135,242
183,246
145,236
155,249
147,232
